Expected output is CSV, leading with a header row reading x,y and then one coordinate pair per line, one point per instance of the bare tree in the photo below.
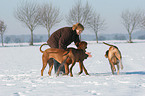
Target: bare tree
x,y
142,25
2,30
79,13
27,13
96,24
49,16
131,21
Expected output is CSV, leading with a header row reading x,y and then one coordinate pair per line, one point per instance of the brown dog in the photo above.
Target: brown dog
x,y
79,55
58,54
114,57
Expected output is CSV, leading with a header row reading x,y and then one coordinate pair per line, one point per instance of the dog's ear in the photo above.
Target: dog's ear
x,y
106,55
84,42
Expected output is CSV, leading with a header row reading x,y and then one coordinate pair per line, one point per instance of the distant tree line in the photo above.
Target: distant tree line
x,y
24,38
46,15
91,37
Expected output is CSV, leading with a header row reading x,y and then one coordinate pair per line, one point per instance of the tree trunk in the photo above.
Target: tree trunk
x,y
48,30
130,41
31,43
2,39
96,36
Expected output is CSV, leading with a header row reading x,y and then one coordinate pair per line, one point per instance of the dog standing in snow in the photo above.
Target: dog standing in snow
x,y
114,57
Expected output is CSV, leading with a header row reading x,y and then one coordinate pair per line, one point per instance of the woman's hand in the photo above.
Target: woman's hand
x,y
89,54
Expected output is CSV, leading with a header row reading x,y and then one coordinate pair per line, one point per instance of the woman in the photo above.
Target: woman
x,y
63,37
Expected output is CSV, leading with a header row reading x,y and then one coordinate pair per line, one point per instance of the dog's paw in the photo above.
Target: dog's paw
x,y
87,74
71,75
79,73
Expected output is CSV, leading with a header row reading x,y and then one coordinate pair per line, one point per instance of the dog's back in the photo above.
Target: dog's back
x,y
113,51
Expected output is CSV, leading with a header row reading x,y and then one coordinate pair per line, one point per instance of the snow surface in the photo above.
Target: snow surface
x,y
20,73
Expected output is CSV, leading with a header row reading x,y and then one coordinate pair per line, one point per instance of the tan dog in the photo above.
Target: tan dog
x,y
58,54
114,57
79,55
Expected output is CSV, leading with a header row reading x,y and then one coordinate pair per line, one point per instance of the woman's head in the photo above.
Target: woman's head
x,y
78,27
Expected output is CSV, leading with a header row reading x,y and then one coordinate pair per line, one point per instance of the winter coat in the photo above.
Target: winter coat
x,y
63,37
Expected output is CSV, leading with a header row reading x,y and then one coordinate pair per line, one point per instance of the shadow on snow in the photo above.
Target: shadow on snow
x,y
121,73
135,72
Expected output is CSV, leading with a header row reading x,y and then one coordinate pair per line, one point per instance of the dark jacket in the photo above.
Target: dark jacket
x,y
63,37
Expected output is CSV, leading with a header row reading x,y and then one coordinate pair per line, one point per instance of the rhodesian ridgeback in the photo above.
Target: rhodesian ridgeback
x,y
79,55
114,57
58,54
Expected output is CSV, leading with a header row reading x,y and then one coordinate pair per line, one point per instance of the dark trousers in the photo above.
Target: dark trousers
x,y
56,66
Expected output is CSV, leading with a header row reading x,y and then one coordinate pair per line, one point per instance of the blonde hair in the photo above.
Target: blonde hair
x,y
78,26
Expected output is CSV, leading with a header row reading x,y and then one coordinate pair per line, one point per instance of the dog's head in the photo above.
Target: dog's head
x,y
82,45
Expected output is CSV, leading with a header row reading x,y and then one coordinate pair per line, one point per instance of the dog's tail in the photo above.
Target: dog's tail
x,y
41,47
110,45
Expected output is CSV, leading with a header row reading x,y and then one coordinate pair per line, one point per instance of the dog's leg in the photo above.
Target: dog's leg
x,y
81,68
50,69
112,68
112,65
85,70
120,59
50,62
44,65
73,63
66,69
118,68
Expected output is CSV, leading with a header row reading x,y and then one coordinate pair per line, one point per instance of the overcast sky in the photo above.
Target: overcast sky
x,y
110,10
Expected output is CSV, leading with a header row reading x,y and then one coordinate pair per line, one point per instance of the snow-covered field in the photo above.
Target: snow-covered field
x,y
20,73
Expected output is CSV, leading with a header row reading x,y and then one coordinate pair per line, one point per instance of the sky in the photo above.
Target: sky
x,y
110,11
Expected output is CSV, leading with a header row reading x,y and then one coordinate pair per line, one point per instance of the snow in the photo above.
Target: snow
x,y
20,73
